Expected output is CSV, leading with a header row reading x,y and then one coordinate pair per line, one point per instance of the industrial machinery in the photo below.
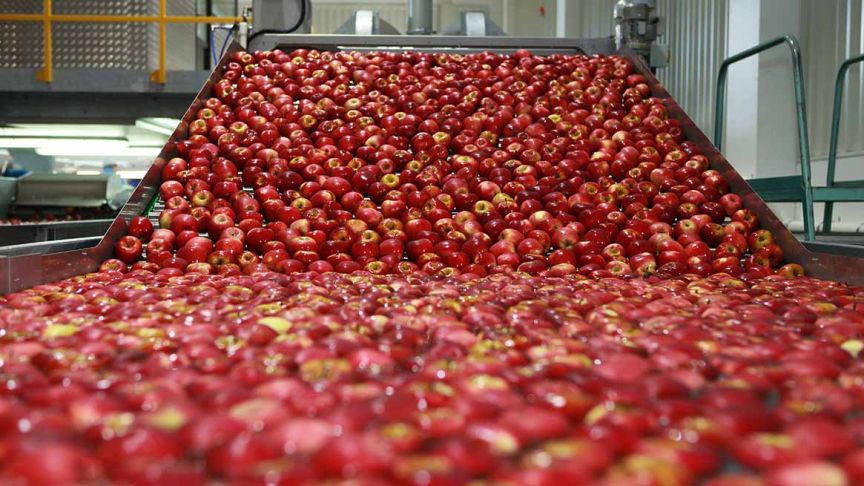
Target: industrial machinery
x,y
637,26
279,16
46,189
55,231
473,24
367,22
48,263
169,372
419,21
95,198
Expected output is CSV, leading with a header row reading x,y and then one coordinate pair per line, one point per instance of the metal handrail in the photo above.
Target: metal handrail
x,y
800,109
47,17
839,84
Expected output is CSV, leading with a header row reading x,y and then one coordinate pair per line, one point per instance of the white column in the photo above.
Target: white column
x,y
778,141
742,92
560,18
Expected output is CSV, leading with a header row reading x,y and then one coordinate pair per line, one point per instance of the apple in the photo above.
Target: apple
x,y
128,249
141,228
758,239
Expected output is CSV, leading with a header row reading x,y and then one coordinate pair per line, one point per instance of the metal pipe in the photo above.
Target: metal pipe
x,y
159,75
46,74
839,84
801,114
419,17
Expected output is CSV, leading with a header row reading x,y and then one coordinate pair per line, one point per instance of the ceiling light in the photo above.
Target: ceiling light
x,y
101,144
88,172
98,151
64,130
132,174
164,126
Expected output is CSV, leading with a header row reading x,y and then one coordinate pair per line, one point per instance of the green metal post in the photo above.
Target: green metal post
x,y
801,112
835,133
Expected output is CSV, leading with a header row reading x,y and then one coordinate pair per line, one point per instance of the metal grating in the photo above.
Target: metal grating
x,y
102,45
21,45
21,41
22,6
183,52
78,45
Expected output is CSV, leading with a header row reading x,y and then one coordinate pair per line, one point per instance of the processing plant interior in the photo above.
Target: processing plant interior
x,y
416,242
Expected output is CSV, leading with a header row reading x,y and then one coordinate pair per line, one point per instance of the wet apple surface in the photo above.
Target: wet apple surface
x,y
428,379
414,268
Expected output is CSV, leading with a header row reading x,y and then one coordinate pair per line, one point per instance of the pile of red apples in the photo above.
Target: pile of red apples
x,y
481,164
436,269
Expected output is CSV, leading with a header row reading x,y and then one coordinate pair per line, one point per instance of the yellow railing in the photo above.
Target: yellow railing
x,y
46,74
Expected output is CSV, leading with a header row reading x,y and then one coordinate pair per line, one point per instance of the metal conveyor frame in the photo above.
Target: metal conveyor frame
x,y
23,271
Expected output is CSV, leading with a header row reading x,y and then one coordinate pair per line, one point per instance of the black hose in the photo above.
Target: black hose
x,y
300,20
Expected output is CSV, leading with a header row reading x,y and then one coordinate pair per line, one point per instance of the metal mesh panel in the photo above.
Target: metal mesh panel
x,y
21,6
78,45
102,45
21,41
21,45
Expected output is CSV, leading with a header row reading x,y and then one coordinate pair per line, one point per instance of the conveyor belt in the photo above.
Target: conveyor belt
x,y
27,271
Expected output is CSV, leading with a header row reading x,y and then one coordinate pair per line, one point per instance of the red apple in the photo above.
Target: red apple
x,y
128,249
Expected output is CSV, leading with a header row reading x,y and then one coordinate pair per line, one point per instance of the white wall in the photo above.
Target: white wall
x,y
741,124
